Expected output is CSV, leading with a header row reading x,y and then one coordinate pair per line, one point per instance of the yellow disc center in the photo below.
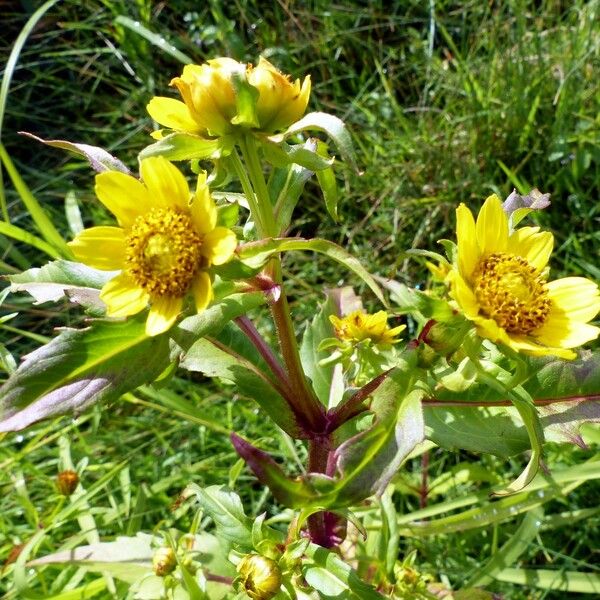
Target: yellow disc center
x,y
163,252
511,292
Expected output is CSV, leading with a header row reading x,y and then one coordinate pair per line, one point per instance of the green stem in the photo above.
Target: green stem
x,y
306,405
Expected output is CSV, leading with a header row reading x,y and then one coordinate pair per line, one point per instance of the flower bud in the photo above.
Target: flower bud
x,y
261,576
446,337
164,561
66,482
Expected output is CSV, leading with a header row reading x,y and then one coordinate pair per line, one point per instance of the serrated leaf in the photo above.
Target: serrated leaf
x,y
257,253
56,279
225,508
79,368
99,159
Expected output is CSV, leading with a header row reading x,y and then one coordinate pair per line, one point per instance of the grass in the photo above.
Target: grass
x,y
447,102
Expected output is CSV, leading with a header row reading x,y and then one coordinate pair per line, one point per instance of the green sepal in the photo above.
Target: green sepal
x,y
246,97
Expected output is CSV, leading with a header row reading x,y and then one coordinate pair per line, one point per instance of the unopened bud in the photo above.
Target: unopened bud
x,y
164,561
447,337
66,482
261,576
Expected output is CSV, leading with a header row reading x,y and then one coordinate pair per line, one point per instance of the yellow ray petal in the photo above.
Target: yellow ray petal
x,y
521,344
534,247
202,291
203,209
566,334
163,313
468,251
173,114
123,195
574,298
488,328
492,227
464,296
100,247
165,182
123,297
219,245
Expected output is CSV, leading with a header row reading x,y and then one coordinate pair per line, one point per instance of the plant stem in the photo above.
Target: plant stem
x,y
246,325
318,458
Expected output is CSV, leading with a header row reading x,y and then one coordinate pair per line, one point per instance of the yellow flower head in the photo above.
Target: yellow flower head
x,y
359,326
210,104
500,284
164,246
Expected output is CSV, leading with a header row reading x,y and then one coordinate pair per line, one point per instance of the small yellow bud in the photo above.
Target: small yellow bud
x,y
66,482
164,561
261,576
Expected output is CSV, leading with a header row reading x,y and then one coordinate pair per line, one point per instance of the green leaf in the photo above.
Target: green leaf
x,y
246,97
328,184
215,317
566,581
79,368
285,187
517,544
370,459
215,359
333,578
187,146
410,300
257,253
225,508
61,278
305,155
100,160
332,126
127,558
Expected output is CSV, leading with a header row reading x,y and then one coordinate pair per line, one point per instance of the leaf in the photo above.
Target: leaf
x,y
127,558
328,184
332,126
225,508
282,154
56,279
79,368
566,581
370,459
214,318
333,578
410,300
214,359
100,160
187,146
317,330
257,253
517,544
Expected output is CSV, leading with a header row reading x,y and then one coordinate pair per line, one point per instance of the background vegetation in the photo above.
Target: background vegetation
x,y
448,102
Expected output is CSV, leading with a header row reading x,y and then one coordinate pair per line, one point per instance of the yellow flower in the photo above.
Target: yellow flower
x,y
500,283
210,104
164,246
359,326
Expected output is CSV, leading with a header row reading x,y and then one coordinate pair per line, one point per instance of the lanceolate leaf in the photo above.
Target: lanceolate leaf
x,y
332,126
215,359
79,368
186,146
499,429
257,253
54,280
99,159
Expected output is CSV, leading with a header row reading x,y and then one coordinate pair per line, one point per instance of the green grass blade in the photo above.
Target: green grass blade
x,y
39,216
11,64
154,38
16,233
566,581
